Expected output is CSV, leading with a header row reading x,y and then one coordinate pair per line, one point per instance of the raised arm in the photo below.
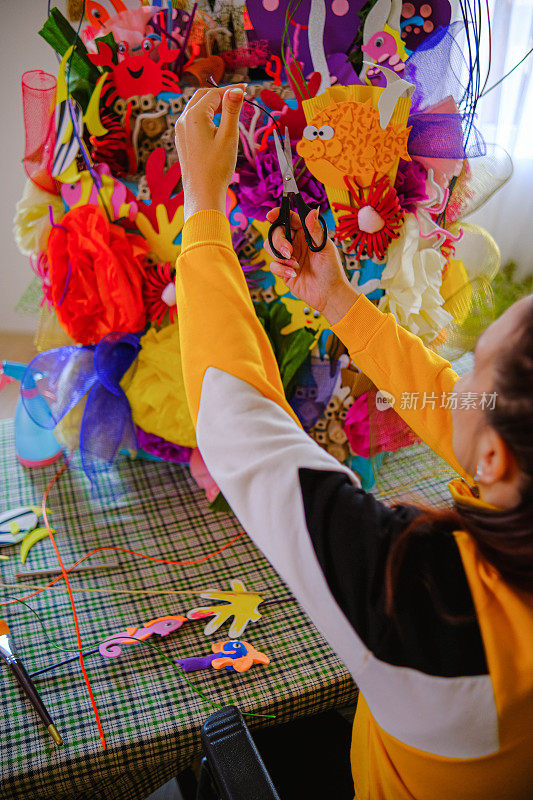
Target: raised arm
x,y
327,538
394,359
398,362
249,436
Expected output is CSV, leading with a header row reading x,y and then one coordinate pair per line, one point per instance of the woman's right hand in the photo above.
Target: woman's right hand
x,y
316,278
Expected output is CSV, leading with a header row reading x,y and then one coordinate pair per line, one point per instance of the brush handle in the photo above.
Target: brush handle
x,y
31,692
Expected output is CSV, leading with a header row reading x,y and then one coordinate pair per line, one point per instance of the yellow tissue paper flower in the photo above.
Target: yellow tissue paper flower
x,y
157,392
31,225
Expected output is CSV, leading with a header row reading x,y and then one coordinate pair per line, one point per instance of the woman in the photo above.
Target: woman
x,y
431,613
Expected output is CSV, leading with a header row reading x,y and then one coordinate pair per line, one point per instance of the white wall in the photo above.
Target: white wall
x,y
21,49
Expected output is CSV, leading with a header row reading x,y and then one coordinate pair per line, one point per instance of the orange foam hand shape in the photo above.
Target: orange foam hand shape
x,y
162,220
346,138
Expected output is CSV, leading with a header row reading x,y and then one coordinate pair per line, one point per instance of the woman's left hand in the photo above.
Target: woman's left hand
x,y
208,154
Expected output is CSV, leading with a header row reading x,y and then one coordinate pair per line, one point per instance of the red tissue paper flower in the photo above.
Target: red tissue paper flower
x,y
375,219
96,273
159,292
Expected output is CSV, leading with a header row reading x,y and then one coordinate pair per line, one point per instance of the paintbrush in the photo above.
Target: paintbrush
x,y
7,651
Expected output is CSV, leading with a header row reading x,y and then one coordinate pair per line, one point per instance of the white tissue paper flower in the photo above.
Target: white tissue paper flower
x,y
31,225
412,280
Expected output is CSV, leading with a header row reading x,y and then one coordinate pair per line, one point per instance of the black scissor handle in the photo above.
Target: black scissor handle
x,y
303,210
283,221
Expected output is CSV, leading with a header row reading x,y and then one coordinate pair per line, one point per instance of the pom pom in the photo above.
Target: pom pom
x,y
373,221
369,220
96,273
160,293
157,391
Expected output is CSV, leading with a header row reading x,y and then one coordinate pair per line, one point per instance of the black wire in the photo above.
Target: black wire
x,y
494,85
252,103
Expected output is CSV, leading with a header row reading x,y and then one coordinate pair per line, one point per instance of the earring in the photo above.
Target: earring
x,y
479,473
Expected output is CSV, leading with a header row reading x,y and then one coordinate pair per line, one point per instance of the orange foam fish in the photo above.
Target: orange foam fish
x,y
344,137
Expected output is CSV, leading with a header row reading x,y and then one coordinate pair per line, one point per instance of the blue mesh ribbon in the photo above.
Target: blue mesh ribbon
x,y
65,376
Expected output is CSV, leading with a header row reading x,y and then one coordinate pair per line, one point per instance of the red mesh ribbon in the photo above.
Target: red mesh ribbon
x,y
38,106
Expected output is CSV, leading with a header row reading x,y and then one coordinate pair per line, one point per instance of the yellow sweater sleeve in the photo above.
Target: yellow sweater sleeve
x,y
217,321
398,362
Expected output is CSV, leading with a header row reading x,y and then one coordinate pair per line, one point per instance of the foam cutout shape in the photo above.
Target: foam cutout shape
x,y
239,604
303,316
344,136
162,626
237,656
114,196
162,220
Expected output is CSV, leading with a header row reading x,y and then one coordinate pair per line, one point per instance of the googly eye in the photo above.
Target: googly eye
x,y
97,13
379,42
310,132
307,310
147,45
122,47
316,314
326,132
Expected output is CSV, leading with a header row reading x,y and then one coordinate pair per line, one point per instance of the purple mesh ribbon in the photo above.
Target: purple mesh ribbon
x,y
314,388
161,448
66,375
436,68
442,136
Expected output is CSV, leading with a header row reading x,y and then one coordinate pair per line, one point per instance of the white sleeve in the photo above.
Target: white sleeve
x,y
254,450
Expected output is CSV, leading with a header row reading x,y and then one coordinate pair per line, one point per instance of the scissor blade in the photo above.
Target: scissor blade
x,y
282,159
287,147
287,174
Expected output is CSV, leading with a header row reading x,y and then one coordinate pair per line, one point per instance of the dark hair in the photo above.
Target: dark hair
x,y
504,538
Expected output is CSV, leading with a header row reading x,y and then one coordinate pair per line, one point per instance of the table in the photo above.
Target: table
x,y
151,717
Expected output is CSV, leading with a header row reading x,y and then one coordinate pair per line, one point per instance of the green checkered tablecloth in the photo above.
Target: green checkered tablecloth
x,y
151,717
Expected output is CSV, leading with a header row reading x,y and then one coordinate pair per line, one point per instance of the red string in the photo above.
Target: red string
x,y
72,603
64,576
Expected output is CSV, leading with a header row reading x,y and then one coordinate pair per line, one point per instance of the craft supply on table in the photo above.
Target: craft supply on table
x,y
16,523
8,653
47,573
238,603
235,656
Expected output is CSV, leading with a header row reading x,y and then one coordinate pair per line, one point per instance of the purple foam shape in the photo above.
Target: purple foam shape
x,y
196,662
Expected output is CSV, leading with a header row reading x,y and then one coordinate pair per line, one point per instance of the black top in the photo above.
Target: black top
x,y
435,628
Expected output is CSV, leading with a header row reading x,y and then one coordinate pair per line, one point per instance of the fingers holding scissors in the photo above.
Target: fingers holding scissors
x,y
284,246
280,241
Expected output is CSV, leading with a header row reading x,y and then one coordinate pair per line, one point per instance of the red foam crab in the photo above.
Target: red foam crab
x,y
137,73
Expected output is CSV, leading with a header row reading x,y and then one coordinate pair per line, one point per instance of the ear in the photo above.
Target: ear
x,y
496,463
376,19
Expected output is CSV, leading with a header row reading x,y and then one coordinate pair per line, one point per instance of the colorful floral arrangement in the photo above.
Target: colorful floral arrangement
x,y
383,143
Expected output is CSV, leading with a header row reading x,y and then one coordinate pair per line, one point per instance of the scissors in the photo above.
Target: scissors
x,y
290,187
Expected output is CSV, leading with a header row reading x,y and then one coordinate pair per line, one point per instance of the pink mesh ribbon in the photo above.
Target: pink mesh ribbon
x,y
38,106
